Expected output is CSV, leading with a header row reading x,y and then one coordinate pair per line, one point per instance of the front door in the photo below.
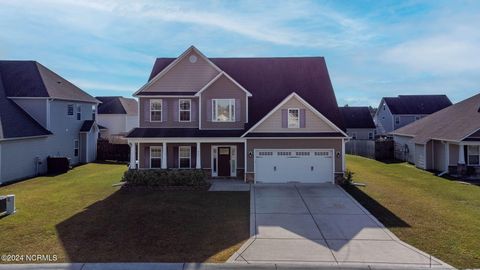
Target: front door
x,y
223,161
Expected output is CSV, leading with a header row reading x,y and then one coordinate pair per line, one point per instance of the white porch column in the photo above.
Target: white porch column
x,y
133,154
199,159
461,154
164,155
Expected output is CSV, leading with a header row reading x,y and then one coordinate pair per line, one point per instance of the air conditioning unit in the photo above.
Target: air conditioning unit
x,y
7,205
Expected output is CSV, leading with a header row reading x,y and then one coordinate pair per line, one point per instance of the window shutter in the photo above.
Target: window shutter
x,y
175,110
302,118
284,118
194,110
146,110
164,110
238,111
193,157
146,155
209,110
175,157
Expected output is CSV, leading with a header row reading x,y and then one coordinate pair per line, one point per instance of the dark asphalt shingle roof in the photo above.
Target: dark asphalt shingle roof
x,y
117,105
270,80
31,79
87,125
182,132
357,117
295,134
417,104
15,122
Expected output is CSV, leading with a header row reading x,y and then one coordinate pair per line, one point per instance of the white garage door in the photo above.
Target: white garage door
x,y
292,165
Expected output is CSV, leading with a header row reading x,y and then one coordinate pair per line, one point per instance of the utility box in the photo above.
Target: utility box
x,y
7,204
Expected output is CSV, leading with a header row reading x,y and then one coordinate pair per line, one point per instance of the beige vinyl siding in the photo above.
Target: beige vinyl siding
x,y
454,148
335,144
171,107
313,123
185,76
420,160
439,156
400,145
223,88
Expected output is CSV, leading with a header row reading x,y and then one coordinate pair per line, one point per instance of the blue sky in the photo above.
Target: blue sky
x,y
372,48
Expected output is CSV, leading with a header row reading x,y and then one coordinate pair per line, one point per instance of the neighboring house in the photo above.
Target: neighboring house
x,y
262,119
41,115
446,141
118,115
396,112
358,123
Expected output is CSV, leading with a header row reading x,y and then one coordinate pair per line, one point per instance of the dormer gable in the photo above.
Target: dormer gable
x,y
305,118
189,72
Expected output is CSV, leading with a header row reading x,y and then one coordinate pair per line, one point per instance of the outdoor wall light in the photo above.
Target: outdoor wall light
x,y
338,154
250,154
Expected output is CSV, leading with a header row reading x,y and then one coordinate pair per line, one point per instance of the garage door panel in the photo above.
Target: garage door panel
x,y
288,165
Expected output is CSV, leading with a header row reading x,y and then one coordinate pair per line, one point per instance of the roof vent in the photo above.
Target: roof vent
x,y
192,58
59,82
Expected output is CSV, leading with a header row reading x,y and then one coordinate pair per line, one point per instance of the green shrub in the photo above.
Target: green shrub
x,y
165,177
348,177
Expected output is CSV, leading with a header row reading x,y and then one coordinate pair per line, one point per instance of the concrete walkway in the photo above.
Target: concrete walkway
x,y
321,224
229,185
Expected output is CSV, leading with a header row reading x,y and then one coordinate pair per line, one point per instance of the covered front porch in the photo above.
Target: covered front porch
x,y
465,159
219,159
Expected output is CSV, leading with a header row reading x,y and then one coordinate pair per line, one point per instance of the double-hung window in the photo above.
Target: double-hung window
x,y
184,156
370,135
397,120
76,146
473,154
293,118
70,110
155,157
156,110
79,112
223,110
94,112
184,110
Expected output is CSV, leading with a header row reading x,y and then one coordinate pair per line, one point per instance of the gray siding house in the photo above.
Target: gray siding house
x,y
447,141
396,112
41,115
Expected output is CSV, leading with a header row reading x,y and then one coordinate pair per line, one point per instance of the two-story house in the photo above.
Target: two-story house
x,y
260,119
116,117
396,112
41,115
358,123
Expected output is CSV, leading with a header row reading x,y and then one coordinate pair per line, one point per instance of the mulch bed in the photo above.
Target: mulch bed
x,y
129,187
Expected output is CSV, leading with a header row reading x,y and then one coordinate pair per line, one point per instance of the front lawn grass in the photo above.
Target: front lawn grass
x,y
80,217
438,216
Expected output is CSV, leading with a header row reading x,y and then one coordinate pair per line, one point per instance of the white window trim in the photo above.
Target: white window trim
x,y
354,135
189,110
233,160
372,135
189,156
76,146
73,110
161,110
468,155
150,159
288,117
232,110
397,118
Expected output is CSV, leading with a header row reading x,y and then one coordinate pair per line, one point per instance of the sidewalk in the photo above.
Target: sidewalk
x,y
185,266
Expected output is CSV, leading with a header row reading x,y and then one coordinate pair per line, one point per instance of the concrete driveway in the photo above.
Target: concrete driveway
x,y
320,224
